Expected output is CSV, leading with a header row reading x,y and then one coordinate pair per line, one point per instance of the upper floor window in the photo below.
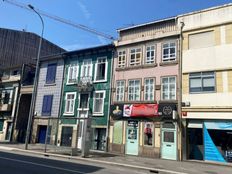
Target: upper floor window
x,y
149,89
73,71
51,73
98,102
121,59
168,88
169,52
150,55
135,56
47,105
120,90
86,70
70,102
101,69
134,90
201,40
6,97
202,82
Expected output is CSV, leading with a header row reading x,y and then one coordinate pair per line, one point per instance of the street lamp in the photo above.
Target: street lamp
x,y
31,113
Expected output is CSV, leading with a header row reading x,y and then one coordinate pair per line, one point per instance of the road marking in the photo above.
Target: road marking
x,y
43,165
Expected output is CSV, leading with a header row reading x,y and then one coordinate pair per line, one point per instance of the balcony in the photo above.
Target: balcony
x,y
5,107
85,84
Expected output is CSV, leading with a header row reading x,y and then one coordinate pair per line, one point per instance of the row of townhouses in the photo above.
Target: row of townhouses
x,y
162,90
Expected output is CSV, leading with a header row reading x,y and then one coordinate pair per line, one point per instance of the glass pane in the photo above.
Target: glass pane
x,y
132,134
168,137
148,134
208,82
196,82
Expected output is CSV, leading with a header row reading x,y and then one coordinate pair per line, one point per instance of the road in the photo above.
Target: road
x,y
22,164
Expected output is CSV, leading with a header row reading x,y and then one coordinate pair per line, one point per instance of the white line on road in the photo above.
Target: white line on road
x,y
43,165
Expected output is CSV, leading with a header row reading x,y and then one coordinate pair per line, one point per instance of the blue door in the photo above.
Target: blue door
x,y
132,146
42,134
168,141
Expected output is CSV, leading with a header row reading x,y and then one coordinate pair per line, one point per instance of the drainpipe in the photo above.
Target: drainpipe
x,y
180,94
109,102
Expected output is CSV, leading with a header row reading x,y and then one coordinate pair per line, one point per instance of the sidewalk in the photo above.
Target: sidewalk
x,y
150,164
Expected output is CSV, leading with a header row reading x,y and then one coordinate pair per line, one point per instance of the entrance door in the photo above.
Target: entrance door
x,y
99,142
66,136
132,140
168,141
80,133
42,134
8,131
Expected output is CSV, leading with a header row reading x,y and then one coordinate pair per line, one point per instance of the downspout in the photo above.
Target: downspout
x,y
109,102
180,92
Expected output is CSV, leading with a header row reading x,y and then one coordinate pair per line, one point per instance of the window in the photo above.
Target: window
x,y
1,125
86,71
47,105
121,59
98,102
148,133
101,69
120,90
51,73
201,40
150,55
6,97
149,89
84,101
202,82
134,90
70,103
135,56
168,88
169,52
73,71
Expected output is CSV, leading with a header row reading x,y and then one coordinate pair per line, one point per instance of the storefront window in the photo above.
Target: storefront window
x,y
148,134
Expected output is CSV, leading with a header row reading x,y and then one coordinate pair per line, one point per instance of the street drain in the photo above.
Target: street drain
x,y
154,171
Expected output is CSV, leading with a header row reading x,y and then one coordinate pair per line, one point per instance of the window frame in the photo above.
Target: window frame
x,y
84,65
52,80
136,63
66,96
77,73
122,65
154,57
96,69
134,95
104,95
162,96
43,105
169,58
202,77
123,92
149,78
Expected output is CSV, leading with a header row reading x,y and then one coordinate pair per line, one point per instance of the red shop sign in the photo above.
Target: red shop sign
x,y
140,110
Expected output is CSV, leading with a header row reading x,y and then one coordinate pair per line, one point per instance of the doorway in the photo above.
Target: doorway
x,y
8,131
99,139
42,134
66,136
132,146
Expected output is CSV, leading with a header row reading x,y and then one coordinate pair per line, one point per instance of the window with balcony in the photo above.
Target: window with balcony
x,y
73,71
169,52
150,55
135,56
202,82
134,90
86,71
101,70
168,88
70,103
98,102
121,59
120,90
149,87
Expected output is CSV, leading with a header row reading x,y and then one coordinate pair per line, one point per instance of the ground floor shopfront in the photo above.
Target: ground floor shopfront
x,y
144,135
209,140
6,128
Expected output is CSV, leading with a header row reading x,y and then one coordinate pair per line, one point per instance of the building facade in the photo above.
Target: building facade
x,y
207,83
86,94
145,91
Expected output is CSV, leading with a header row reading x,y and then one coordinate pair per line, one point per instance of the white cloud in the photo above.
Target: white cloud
x,y
84,9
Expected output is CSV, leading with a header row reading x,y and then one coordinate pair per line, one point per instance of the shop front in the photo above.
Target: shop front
x,y
210,140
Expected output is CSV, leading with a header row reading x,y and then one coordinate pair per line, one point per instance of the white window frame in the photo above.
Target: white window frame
x,y
66,100
134,90
150,61
104,94
77,73
122,56
121,89
162,90
169,57
90,64
136,62
145,92
96,69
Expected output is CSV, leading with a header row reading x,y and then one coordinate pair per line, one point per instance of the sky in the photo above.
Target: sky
x,y
102,15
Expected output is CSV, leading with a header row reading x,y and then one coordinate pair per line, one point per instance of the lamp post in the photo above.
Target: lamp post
x,y
31,113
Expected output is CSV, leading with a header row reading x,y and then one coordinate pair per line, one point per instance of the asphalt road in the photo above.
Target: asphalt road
x,y
21,164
